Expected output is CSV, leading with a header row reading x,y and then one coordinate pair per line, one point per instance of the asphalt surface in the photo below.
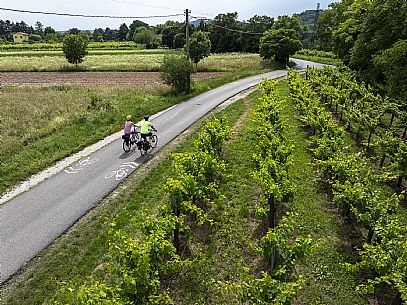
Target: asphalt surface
x,y
35,218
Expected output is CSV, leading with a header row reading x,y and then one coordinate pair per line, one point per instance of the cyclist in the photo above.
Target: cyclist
x,y
145,128
128,127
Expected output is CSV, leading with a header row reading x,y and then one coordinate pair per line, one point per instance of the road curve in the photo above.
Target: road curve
x,y
35,218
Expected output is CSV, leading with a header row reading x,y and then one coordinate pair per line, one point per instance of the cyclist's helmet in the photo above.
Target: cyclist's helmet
x,y
128,118
146,117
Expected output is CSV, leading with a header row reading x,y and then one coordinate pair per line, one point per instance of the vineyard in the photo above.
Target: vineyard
x,y
194,199
293,194
236,219
350,175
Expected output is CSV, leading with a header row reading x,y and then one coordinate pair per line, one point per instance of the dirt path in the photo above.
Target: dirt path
x,y
139,79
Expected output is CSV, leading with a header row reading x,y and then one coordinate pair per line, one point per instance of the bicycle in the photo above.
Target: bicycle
x,y
145,145
131,139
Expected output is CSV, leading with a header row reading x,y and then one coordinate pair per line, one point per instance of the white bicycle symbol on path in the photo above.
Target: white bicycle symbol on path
x,y
80,165
123,171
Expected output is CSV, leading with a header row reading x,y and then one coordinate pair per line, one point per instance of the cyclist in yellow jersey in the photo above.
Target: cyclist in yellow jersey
x,y
145,128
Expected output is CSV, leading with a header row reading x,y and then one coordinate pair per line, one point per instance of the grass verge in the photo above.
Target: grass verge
x,y
322,60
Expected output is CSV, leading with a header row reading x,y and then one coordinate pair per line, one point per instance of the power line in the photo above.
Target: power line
x,y
228,29
237,31
89,16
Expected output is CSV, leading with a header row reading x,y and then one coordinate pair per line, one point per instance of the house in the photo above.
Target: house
x,y
20,37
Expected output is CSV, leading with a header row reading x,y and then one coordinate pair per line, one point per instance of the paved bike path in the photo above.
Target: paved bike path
x,y
35,218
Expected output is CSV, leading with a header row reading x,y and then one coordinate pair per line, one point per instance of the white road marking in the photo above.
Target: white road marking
x,y
80,165
130,164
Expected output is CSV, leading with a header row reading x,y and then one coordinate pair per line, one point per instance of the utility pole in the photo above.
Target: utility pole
x,y
188,80
187,11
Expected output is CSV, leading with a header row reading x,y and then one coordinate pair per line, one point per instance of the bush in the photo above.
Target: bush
x,y
176,72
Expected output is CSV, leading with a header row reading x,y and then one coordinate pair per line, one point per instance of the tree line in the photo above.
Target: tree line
x,y
370,36
226,32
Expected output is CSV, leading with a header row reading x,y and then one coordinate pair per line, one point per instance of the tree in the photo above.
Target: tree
x,y
223,33
109,34
98,34
51,38
282,40
280,44
144,36
132,28
39,28
199,46
256,24
179,41
176,71
168,33
74,48
49,30
329,22
392,62
384,25
74,31
349,29
286,22
122,32
23,27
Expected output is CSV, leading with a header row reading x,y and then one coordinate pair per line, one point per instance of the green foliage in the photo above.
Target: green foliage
x,y
92,293
289,251
133,28
179,41
273,160
221,36
74,48
168,32
392,62
349,29
326,24
143,35
264,291
280,44
57,46
176,72
197,174
273,151
387,258
367,35
354,187
398,159
213,136
138,265
316,53
256,24
361,107
199,46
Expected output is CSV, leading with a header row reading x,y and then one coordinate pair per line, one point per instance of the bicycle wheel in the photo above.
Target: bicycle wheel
x,y
126,145
154,141
143,151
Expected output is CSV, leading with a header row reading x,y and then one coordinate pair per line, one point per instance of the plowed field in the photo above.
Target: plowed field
x,y
133,79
